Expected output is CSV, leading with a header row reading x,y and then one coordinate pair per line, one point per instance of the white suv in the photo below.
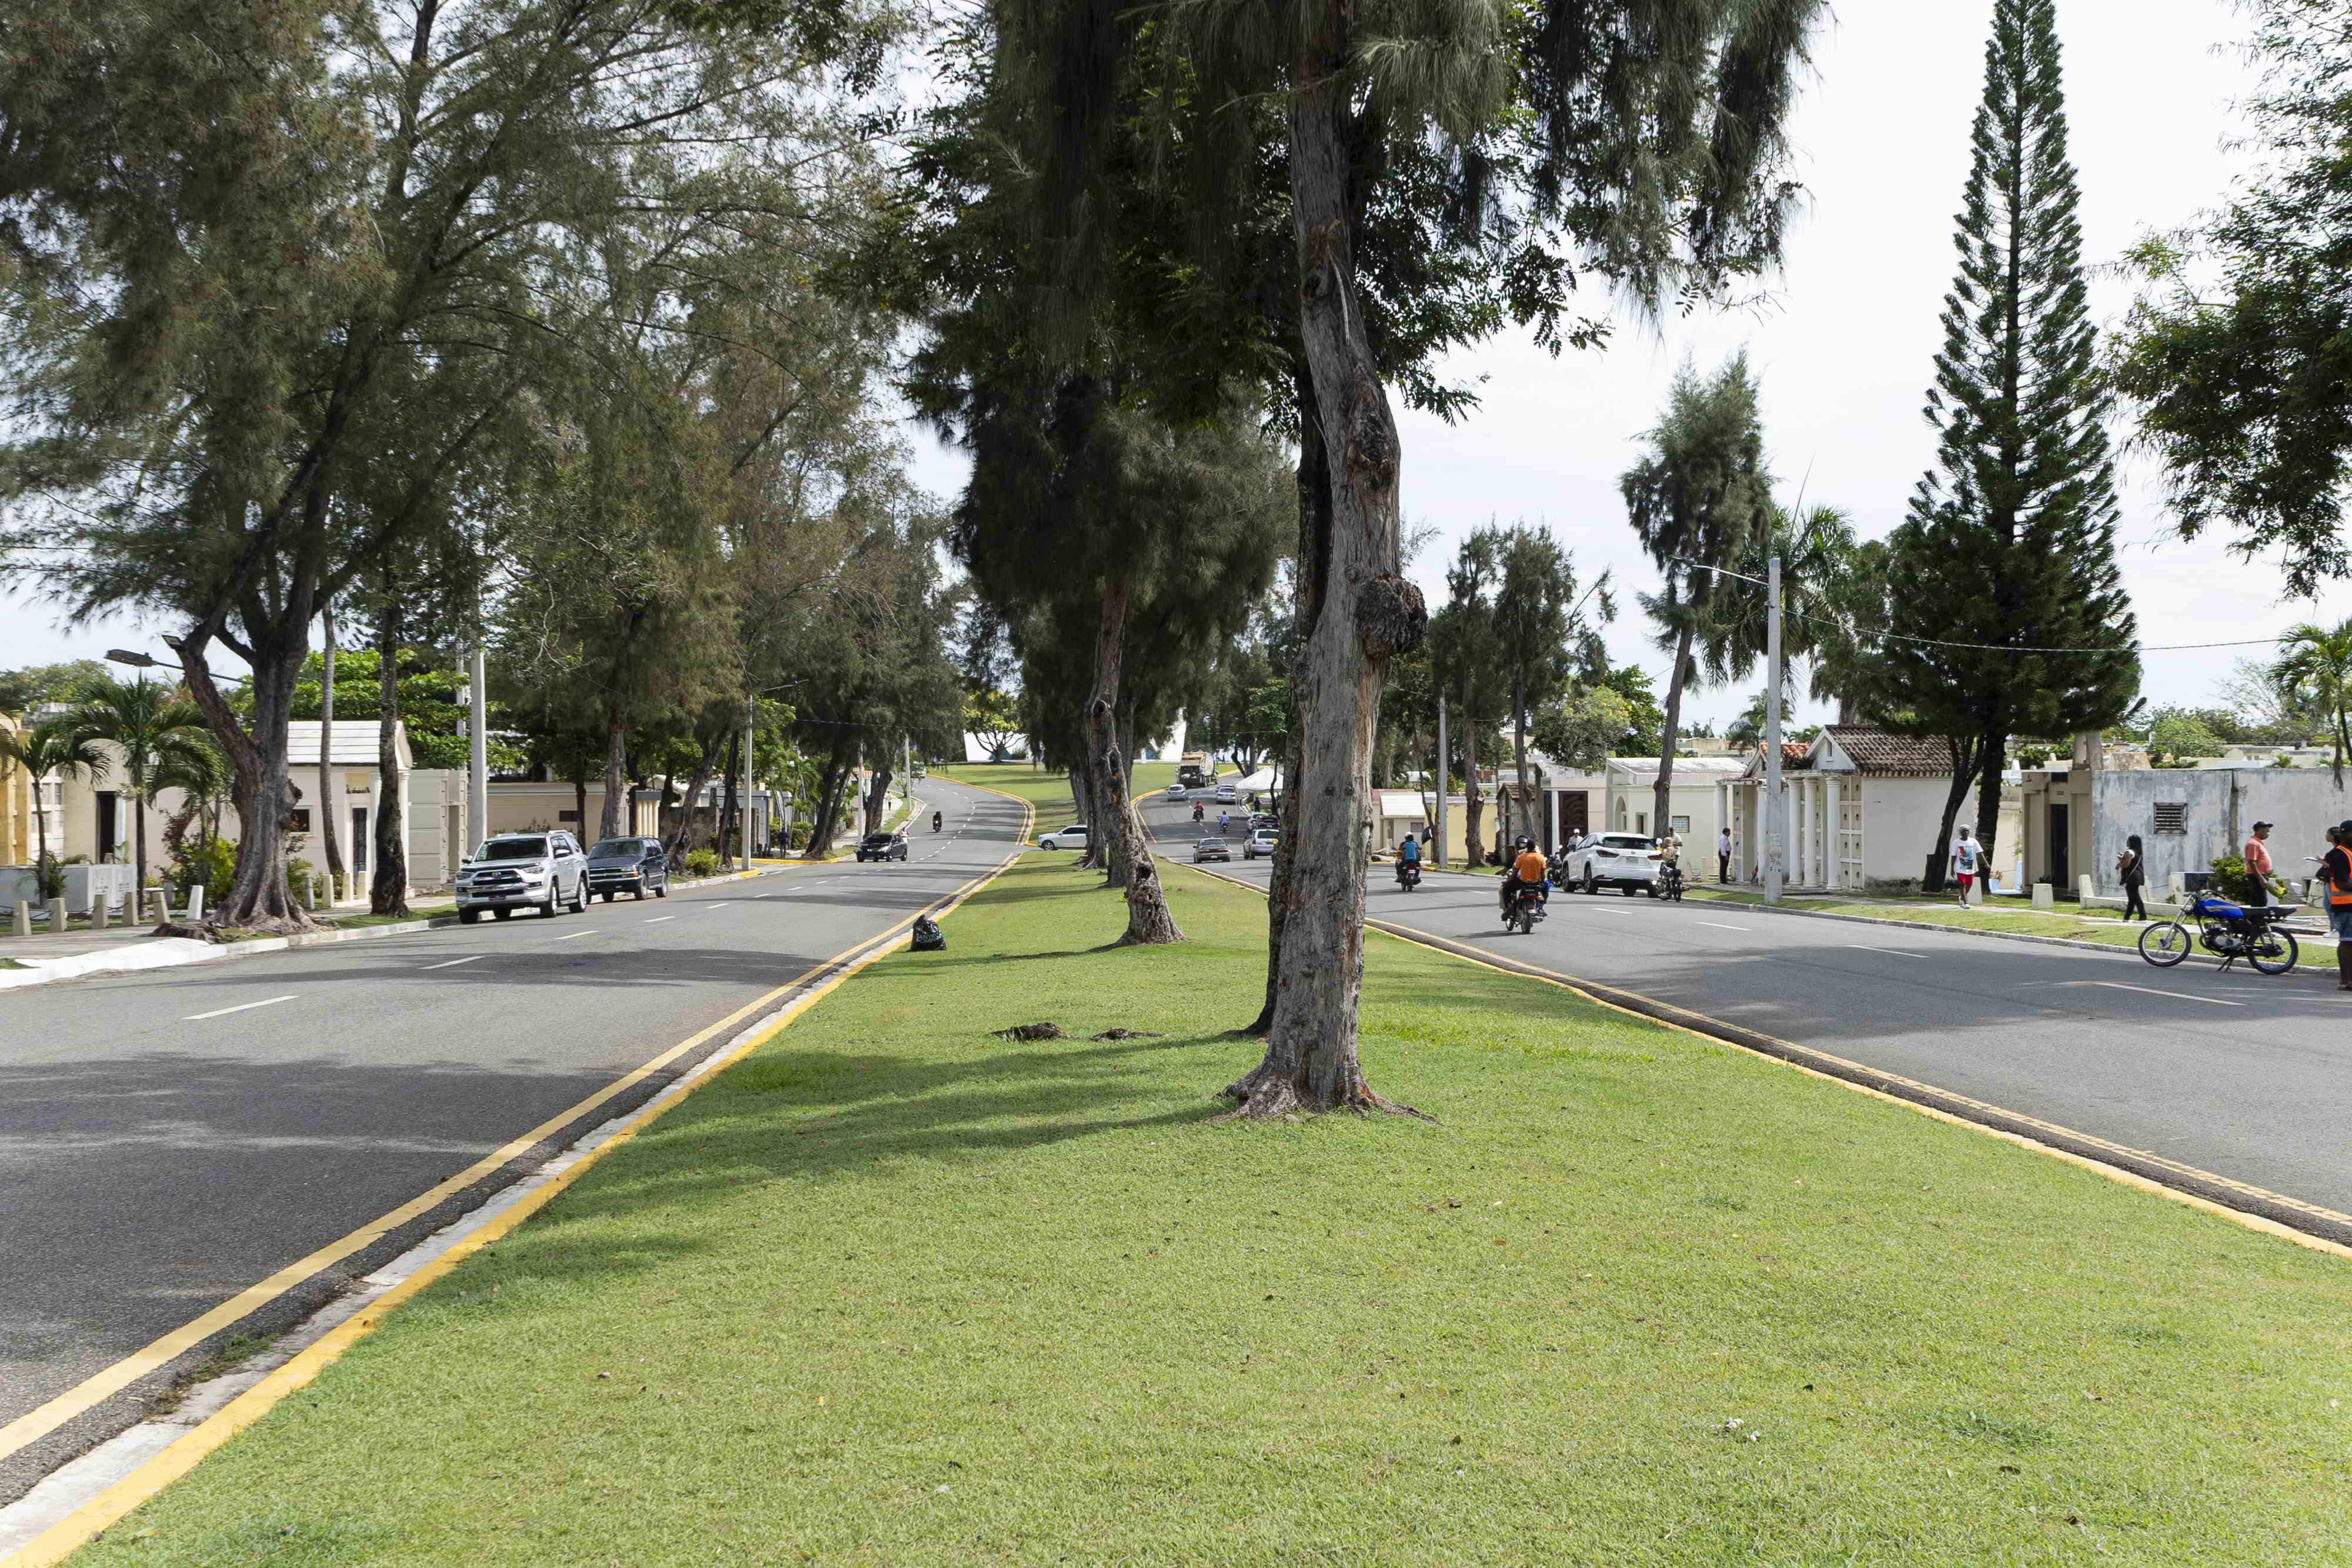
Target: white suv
x,y
1628,862
1073,837
523,870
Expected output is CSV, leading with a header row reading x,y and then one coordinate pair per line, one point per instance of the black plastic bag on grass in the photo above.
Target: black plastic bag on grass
x,y
929,938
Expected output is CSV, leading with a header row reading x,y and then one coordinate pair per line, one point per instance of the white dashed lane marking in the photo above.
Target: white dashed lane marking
x,y
241,1008
452,963
657,919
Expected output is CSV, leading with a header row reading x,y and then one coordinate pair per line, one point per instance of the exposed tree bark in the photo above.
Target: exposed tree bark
x,y
1662,801
1314,511
1992,754
727,808
616,773
1148,922
1964,760
388,884
706,765
878,799
1364,612
258,898
328,818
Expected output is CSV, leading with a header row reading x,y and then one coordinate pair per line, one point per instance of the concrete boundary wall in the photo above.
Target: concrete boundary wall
x,y
2219,808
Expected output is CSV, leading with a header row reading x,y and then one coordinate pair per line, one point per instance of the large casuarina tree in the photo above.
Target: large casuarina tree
x,y
1650,132
2009,610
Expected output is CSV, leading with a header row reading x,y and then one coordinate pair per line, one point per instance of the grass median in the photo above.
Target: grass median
x,y
895,1290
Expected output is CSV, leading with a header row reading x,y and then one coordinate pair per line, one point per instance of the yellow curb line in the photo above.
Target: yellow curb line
x,y
79,1528
2255,1222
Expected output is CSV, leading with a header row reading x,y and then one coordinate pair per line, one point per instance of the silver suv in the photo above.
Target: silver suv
x,y
523,870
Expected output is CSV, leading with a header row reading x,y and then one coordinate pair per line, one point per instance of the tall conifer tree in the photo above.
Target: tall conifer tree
x,y
2009,544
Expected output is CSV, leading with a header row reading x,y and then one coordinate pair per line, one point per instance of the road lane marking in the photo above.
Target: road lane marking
x,y
657,919
573,936
1719,926
452,963
2151,991
240,1007
1897,951
718,905
177,1459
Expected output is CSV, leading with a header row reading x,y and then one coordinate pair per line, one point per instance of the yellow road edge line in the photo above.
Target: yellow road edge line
x,y
2255,1222
83,1525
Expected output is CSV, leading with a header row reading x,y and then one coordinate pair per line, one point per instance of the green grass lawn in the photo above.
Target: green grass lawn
x,y
1050,792
892,1290
2317,952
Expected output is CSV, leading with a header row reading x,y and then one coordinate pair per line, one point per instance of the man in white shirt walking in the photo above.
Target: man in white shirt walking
x,y
1967,864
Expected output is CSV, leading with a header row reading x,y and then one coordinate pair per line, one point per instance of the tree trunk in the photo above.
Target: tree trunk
x,y
138,851
388,889
328,818
616,776
727,808
878,799
703,768
1519,752
1993,755
1314,515
258,897
1148,922
1365,611
1964,755
1663,803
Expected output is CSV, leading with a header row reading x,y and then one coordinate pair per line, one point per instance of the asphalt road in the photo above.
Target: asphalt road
x,y
2246,1076
168,1140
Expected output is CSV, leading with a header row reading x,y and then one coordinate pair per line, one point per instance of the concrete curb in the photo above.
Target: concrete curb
x,y
174,952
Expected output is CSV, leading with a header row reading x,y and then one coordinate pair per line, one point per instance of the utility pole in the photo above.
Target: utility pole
x,y
751,706
1775,806
1445,768
477,759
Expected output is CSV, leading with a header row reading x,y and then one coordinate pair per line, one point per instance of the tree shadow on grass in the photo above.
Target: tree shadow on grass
x,y
828,1116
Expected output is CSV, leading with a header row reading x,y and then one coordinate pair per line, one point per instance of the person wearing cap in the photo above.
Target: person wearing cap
x,y
2258,866
2336,893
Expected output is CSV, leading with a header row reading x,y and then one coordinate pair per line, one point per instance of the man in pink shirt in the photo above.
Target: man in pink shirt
x,y
2258,864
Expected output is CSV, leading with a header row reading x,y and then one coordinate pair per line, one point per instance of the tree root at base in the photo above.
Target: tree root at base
x,y
1267,1095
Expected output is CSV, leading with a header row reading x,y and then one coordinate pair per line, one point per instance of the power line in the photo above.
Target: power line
x,y
1984,647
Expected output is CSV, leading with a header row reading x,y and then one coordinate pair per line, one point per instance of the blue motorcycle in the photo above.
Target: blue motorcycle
x,y
2227,928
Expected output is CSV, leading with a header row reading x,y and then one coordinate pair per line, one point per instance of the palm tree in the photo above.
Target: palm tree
x,y
154,727
52,746
2318,664
200,774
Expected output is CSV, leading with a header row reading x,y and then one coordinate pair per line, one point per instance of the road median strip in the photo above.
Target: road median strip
x,y
897,1289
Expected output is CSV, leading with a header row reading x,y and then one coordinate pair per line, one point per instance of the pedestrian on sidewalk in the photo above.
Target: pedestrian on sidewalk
x,y
2258,866
1968,855
2336,878
1723,856
2131,870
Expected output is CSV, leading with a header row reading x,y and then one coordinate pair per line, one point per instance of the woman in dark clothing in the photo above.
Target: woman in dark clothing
x,y
2131,868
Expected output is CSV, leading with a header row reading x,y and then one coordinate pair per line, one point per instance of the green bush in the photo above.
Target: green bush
x,y
211,866
2231,879
799,837
702,863
299,874
49,878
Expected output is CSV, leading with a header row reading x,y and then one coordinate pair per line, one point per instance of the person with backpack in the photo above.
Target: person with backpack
x,y
2335,887
2131,870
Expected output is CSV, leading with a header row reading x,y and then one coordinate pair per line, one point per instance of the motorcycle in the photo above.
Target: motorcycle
x,y
2226,928
1526,908
935,819
1408,874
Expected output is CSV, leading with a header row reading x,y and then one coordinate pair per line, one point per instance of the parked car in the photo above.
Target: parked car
x,y
1212,850
523,870
883,847
1074,837
1627,861
1261,842
1227,794
637,867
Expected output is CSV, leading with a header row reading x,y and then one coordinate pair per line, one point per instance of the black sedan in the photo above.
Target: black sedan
x,y
882,847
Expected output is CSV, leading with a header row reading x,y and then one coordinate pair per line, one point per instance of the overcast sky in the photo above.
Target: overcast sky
x,y
1843,349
